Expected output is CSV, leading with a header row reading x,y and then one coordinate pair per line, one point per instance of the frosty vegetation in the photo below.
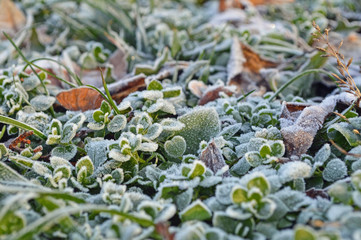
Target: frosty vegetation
x,y
258,164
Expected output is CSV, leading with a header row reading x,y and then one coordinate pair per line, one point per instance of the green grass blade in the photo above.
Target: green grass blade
x,y
295,78
54,217
16,123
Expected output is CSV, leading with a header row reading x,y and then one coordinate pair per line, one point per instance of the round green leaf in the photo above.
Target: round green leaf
x,y
42,102
176,146
238,195
117,123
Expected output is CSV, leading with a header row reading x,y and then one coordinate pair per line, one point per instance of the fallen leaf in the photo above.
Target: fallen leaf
x,y
121,89
80,99
212,93
207,94
11,17
243,68
265,2
254,62
299,127
213,158
120,65
197,87
225,4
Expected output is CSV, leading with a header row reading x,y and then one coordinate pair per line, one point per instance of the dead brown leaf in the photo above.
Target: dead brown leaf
x,y
254,63
207,94
225,4
212,94
300,123
121,89
244,67
80,99
213,158
120,65
11,17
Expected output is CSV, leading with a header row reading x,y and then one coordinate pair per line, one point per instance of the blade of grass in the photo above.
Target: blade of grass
x,y
77,79
110,99
111,102
16,123
54,217
26,60
245,95
295,78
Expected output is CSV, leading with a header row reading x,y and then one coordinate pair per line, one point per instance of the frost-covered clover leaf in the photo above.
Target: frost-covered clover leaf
x,y
176,146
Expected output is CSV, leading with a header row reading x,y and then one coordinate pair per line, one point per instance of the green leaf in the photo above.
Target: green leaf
x,y
277,148
68,133
356,180
118,155
253,158
265,151
67,152
176,45
260,182
54,217
335,169
265,209
155,85
198,169
117,123
154,131
105,107
87,163
169,191
304,233
201,123
171,92
42,102
3,150
7,174
65,170
196,211
176,146
238,195
98,116
16,123
345,130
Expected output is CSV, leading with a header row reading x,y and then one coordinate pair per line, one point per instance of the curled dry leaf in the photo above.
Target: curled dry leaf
x,y
244,67
212,93
213,158
80,99
11,17
225,4
300,123
206,93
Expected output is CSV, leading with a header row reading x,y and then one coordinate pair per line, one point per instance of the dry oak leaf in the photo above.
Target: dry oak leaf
x,y
80,99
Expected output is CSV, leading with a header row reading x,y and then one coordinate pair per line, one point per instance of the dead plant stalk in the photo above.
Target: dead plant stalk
x,y
331,51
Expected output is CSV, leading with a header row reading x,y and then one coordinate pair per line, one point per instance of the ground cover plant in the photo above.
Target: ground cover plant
x,y
180,119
